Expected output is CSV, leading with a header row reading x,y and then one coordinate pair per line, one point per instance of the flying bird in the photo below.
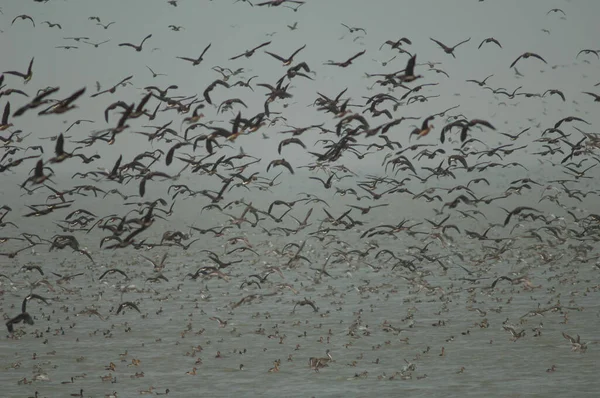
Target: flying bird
x,y
449,50
525,56
137,48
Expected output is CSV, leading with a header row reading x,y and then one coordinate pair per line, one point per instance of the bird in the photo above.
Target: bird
x,y
127,304
354,29
280,162
289,141
24,315
489,40
425,128
516,211
112,271
595,96
348,62
588,51
554,92
449,50
409,71
480,83
5,124
137,48
525,56
52,25
154,74
197,61
59,151
211,87
38,177
222,323
105,26
288,60
23,17
25,76
249,53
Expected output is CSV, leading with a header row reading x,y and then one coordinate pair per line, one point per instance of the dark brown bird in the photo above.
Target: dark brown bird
x,y
525,56
490,40
275,3
480,83
249,53
596,96
64,105
196,61
26,76
51,25
588,51
211,86
280,162
554,92
137,48
288,60
23,17
24,315
5,124
37,101
353,29
38,176
346,63
149,176
409,71
516,211
396,44
449,50
289,141
127,304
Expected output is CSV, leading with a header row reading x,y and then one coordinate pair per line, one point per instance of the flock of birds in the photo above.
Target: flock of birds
x,y
327,213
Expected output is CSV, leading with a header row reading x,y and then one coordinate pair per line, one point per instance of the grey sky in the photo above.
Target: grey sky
x,y
233,28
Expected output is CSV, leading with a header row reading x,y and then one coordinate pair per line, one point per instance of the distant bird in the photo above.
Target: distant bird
x,y
449,50
23,17
275,3
290,141
105,26
137,48
154,74
25,76
596,96
525,56
288,60
352,29
516,211
346,63
554,92
249,53
490,40
127,304
38,175
51,25
588,51
210,88
24,315
196,61
480,83
280,162
5,124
